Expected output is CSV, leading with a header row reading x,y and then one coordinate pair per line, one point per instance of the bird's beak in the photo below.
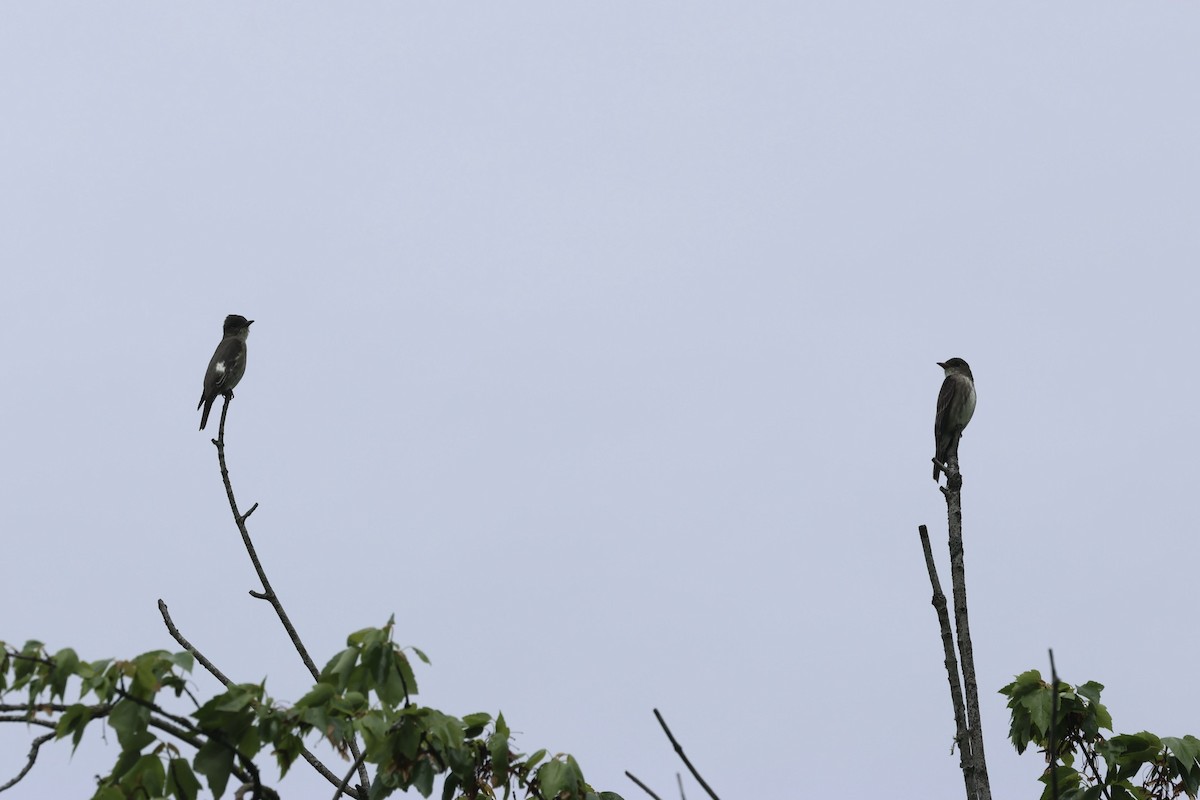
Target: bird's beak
x,y
940,364
248,324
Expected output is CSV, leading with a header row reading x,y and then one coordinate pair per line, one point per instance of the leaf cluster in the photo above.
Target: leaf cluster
x,y
365,690
1065,722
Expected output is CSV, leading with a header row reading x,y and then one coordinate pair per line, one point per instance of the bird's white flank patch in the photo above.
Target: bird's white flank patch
x,y
220,367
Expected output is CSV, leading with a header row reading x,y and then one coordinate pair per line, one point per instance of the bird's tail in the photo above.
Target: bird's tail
x,y
207,408
945,448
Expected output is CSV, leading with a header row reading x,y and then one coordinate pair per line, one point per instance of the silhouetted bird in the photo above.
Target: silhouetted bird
x,y
956,405
228,364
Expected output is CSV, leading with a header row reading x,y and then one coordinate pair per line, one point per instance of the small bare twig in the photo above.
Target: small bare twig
x,y
268,593
683,756
976,774
1053,749
344,785
307,754
645,788
679,780
186,645
49,662
961,736
41,723
33,754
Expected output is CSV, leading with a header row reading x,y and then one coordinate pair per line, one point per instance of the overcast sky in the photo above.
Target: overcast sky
x,y
597,342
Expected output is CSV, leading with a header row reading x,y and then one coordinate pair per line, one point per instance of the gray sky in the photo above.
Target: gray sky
x,y
596,342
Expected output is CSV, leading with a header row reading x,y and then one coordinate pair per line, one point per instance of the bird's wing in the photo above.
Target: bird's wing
x,y
226,366
945,396
954,400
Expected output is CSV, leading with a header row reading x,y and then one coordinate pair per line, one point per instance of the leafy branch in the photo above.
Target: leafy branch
x,y
364,693
1065,722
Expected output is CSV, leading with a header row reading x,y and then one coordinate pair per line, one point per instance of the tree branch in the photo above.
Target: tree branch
x,y
683,756
645,788
961,735
33,754
978,778
268,593
312,760
186,645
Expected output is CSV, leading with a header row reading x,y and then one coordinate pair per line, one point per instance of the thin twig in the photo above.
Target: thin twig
x,y
268,593
679,780
186,645
1053,749
645,788
41,723
49,662
345,782
950,660
33,754
966,653
312,760
683,756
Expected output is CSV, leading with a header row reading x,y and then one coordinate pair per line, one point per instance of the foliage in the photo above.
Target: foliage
x,y
1083,763
364,690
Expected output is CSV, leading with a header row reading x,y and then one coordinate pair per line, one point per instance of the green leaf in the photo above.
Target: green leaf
x,y
394,687
423,776
215,762
555,777
1187,749
473,724
235,698
320,695
66,662
1091,690
1039,705
1133,750
498,750
340,667
532,761
1068,779
73,721
147,775
421,655
129,721
181,781
96,678
184,661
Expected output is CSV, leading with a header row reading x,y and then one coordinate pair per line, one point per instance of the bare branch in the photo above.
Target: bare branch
x,y
978,775
344,784
1053,744
645,788
33,754
961,735
683,756
41,723
268,593
186,645
312,760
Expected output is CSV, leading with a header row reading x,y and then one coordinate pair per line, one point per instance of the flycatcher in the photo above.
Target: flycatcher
x,y
228,364
956,405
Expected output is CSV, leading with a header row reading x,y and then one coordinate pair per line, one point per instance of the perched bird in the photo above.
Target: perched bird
x,y
956,404
228,364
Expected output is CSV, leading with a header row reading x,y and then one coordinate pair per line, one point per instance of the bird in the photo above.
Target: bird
x,y
227,366
955,406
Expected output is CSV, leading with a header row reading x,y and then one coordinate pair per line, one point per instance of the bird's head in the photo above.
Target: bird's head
x,y
955,366
235,323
